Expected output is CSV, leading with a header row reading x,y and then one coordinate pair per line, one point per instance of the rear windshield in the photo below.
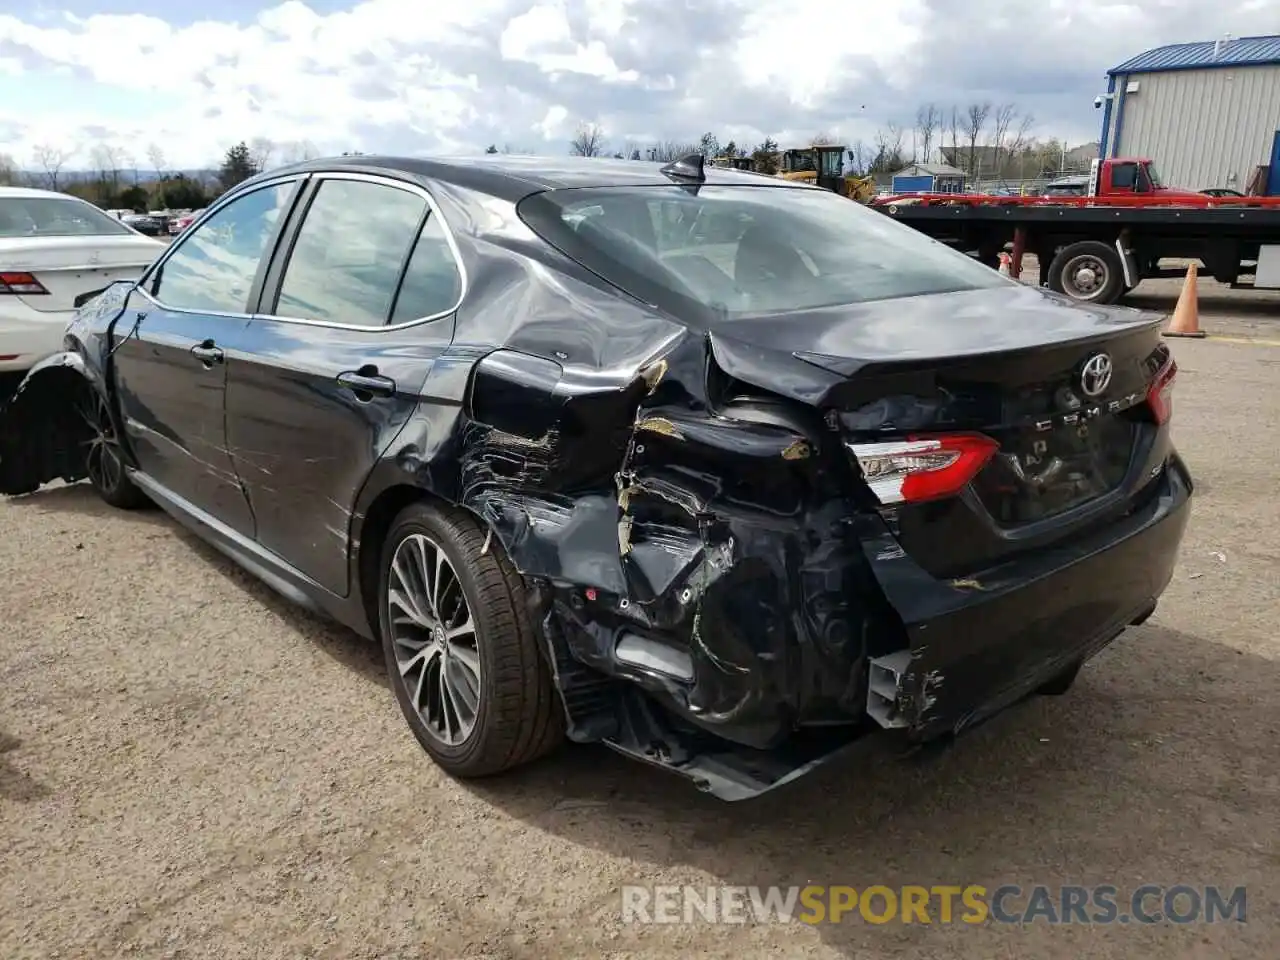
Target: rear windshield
x,y
747,250
55,217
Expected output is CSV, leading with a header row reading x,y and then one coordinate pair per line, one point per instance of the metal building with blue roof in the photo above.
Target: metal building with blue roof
x,y
1206,113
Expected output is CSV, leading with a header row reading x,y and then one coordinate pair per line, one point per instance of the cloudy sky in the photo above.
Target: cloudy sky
x,y
452,76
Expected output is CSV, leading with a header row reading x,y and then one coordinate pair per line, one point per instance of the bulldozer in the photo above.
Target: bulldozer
x,y
823,165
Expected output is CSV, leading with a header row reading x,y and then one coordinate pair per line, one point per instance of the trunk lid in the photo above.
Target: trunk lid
x,y
69,266
1013,364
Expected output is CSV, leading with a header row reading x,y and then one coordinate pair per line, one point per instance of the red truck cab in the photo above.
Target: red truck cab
x,y
1130,176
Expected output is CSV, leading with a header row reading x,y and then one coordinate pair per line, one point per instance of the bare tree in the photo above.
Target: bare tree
x,y
261,151
888,156
1020,141
155,156
928,119
298,151
859,157
668,150
953,128
588,141
109,161
822,139
51,160
1009,129
100,157
8,171
975,118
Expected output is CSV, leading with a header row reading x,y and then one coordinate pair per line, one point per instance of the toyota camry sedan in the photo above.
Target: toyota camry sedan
x,y
723,471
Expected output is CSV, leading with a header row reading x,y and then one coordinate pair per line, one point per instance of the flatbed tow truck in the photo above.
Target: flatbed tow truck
x,y
1099,246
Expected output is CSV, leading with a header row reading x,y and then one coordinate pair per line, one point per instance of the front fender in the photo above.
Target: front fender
x,y
63,360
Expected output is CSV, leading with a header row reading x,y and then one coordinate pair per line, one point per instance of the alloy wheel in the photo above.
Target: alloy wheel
x,y
434,637
103,459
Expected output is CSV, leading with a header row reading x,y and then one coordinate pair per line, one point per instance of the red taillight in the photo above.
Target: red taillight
x,y
923,468
1160,393
25,283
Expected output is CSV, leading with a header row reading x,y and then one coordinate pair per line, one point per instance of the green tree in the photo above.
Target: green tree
x,y
180,192
135,198
765,157
237,166
709,145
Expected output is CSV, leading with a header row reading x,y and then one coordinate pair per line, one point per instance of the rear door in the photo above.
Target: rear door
x,y
354,312
179,337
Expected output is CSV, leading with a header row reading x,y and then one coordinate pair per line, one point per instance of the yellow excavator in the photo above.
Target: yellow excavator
x,y
823,165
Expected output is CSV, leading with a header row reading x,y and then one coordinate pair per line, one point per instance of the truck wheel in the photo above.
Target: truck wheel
x,y
1089,271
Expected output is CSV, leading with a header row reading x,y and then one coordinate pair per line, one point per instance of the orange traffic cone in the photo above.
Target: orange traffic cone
x,y
1186,315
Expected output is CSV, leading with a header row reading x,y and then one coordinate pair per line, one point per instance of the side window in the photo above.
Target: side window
x,y
432,283
346,261
1124,176
212,269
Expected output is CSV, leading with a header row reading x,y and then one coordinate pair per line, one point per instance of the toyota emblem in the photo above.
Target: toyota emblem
x,y
1096,375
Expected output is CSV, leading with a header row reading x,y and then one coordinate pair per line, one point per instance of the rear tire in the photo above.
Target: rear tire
x,y
1088,271
480,701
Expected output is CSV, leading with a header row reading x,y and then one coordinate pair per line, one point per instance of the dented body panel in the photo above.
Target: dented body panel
x,y
711,573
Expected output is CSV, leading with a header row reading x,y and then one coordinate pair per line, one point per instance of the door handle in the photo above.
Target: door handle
x,y
207,353
366,383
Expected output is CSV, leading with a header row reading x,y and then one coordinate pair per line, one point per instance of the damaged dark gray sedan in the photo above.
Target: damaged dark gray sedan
x,y
722,471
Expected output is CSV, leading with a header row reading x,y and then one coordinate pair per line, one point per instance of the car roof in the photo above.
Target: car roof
x,y
34,193
515,177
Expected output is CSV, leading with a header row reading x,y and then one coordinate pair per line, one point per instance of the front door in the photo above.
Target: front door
x,y
179,339
351,324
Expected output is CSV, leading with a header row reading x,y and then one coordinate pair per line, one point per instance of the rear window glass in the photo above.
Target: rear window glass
x,y
747,250
54,217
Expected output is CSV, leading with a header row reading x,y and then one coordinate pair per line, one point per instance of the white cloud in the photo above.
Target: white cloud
x,y
542,36
403,76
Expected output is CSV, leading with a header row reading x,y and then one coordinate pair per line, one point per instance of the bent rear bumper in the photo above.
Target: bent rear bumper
x,y
978,645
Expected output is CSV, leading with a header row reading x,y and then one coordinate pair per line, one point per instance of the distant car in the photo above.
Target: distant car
x,y
1067,187
145,223
1222,192
54,249
178,224
722,471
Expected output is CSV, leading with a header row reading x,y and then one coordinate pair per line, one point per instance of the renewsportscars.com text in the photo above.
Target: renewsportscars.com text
x,y
938,904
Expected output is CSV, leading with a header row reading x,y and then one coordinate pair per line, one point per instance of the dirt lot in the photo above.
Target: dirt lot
x,y
191,768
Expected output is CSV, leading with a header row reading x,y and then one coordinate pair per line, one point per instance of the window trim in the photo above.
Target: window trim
x,y
255,288
280,261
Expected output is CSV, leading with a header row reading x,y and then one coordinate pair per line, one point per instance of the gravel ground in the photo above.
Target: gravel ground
x,y
189,767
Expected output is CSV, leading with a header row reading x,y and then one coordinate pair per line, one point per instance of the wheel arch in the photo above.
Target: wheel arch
x,y
374,527
41,429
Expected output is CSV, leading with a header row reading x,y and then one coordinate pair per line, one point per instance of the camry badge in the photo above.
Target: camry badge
x,y
1096,375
